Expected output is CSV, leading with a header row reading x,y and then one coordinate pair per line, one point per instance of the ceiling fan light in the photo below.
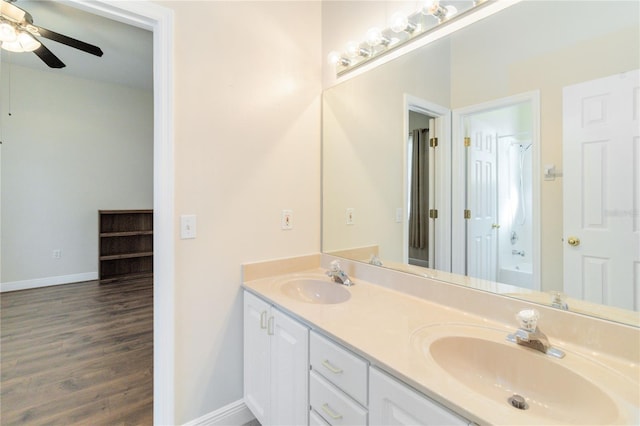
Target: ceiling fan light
x,y
29,44
7,32
12,46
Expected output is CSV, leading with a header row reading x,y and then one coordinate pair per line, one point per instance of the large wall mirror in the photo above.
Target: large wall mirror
x,y
533,186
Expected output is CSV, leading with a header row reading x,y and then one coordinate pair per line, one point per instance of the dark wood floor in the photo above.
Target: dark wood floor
x,y
77,354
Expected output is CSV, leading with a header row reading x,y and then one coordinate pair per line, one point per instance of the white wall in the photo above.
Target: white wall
x,y
247,145
70,147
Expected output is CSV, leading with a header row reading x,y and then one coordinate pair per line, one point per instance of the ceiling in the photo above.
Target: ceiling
x,y
128,50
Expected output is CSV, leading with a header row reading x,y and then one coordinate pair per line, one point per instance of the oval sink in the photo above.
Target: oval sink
x,y
499,370
316,291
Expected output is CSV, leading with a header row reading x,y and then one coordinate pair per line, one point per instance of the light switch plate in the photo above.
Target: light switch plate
x,y
287,219
187,226
351,216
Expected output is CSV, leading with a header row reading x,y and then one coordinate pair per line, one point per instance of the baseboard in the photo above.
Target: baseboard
x,y
234,414
48,281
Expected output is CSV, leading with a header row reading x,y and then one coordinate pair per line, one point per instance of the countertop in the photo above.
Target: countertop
x,y
393,330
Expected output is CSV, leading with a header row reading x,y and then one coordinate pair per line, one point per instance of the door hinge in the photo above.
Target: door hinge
x,y
467,141
433,142
433,213
467,214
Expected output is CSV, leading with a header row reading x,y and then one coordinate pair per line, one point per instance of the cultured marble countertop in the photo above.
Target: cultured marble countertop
x,y
393,331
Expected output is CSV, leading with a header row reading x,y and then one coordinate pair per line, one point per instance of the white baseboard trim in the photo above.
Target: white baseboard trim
x,y
48,281
234,414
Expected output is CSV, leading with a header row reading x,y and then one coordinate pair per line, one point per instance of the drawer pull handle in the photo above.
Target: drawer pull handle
x,y
330,367
334,415
263,319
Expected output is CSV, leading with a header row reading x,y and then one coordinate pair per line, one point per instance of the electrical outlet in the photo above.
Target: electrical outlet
x,y
56,254
351,216
187,226
287,219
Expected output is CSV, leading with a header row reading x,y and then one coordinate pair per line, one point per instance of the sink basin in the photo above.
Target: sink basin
x,y
316,291
498,370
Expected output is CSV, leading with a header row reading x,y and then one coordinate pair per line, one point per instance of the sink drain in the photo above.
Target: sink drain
x,y
518,402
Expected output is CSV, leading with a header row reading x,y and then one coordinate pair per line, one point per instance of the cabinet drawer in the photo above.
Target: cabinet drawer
x,y
339,366
333,405
316,419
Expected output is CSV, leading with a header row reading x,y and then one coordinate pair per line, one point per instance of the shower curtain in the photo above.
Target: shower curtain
x,y
419,195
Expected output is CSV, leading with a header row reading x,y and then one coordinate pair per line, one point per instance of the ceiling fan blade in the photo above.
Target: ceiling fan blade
x,y
48,57
72,42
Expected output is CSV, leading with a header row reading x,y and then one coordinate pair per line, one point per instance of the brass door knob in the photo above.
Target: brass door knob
x,y
495,226
573,241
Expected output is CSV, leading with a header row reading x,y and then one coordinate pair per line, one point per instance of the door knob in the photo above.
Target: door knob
x,y
573,241
495,226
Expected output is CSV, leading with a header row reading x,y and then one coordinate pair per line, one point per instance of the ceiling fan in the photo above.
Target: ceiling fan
x,y
18,34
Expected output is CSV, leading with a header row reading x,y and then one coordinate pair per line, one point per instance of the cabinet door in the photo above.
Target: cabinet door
x,y
394,403
256,357
289,371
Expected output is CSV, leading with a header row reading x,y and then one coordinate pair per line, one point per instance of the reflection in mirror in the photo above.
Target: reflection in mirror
x,y
535,49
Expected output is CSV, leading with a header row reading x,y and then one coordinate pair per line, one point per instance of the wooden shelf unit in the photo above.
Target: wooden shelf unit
x,y
126,244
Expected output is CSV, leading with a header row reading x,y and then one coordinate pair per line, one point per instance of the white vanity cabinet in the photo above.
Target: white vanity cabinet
x,y
276,364
337,383
393,402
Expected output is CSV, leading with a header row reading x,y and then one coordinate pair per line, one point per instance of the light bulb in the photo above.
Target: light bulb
x,y
451,10
7,32
429,7
29,44
23,43
12,46
375,37
400,23
353,49
336,58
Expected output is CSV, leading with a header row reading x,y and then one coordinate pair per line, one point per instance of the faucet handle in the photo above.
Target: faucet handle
x,y
528,319
335,265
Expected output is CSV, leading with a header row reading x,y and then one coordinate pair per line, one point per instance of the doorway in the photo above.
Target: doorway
x,y
159,20
427,224
497,152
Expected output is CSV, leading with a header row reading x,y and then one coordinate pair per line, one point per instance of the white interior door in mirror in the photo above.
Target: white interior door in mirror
x,y
601,160
482,186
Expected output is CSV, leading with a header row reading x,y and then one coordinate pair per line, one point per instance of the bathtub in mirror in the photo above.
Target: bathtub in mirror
x,y
530,56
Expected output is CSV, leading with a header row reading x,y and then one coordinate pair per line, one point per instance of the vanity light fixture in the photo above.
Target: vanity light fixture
x,y
402,28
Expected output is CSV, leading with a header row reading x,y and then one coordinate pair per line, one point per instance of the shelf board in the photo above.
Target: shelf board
x,y
127,255
125,277
125,233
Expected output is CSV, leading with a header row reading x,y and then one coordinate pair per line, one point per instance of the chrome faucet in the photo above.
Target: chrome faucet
x,y
529,334
338,275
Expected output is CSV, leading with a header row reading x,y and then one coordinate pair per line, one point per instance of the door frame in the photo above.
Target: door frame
x,y
458,178
159,20
443,179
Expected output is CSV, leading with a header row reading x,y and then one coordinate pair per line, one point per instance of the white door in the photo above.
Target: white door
x,y
289,371
482,235
601,158
256,357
